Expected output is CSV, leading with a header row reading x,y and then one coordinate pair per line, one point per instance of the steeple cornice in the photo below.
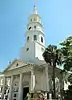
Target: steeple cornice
x,y
34,23
40,32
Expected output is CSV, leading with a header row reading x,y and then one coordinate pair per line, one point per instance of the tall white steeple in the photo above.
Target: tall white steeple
x,y
35,40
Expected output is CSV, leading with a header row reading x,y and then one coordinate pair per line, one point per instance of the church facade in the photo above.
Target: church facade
x,y
29,73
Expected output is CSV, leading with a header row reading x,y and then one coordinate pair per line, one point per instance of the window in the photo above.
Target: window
x,y
34,19
8,91
29,28
27,49
35,27
35,37
28,38
31,19
1,89
17,64
1,83
15,84
5,92
6,96
14,95
42,39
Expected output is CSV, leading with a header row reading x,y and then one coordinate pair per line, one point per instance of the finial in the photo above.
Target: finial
x,y
35,9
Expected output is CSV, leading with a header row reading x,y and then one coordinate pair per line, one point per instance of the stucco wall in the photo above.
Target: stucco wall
x,y
39,49
40,81
30,54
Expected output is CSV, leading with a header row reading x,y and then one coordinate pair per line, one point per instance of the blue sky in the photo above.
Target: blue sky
x,y
56,18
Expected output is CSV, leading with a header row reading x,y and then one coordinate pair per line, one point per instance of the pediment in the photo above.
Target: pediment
x,y
16,64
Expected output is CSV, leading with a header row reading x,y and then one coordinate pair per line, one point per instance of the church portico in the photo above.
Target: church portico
x,y
25,79
17,82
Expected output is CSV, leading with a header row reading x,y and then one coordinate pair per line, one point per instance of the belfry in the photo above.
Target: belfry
x,y
29,73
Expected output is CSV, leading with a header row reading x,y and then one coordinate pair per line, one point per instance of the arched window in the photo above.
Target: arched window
x,y
1,82
14,95
28,38
35,27
42,39
31,19
17,64
27,49
35,37
1,88
29,28
34,19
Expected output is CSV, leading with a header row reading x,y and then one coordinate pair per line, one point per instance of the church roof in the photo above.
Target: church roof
x,y
17,63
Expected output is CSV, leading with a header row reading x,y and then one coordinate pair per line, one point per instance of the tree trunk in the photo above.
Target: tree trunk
x,y
54,92
61,84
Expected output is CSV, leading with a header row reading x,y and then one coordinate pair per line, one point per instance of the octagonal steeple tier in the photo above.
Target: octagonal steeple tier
x,y
35,39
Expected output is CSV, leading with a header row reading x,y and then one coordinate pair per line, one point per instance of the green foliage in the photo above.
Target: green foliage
x,y
63,56
66,50
52,54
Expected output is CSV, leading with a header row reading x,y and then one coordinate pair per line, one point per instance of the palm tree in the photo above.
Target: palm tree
x,y
52,55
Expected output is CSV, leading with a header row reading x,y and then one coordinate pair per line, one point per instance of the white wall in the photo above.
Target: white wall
x,y
30,54
35,51
40,81
39,49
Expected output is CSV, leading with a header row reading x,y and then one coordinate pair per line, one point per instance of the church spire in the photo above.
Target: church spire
x,y
35,40
35,9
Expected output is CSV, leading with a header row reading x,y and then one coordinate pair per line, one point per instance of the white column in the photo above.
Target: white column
x,y
11,86
32,86
47,78
20,93
2,96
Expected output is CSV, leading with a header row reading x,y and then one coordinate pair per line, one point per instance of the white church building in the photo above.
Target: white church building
x,y
29,73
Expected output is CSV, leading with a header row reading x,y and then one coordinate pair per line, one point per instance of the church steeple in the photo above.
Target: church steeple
x,y
35,40
35,9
